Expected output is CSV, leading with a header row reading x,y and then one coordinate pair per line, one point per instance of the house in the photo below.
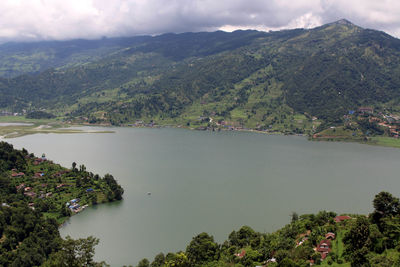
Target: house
x,y
241,254
19,174
75,207
19,187
28,189
301,242
89,190
367,110
39,174
306,234
60,186
30,194
37,161
341,218
330,236
324,247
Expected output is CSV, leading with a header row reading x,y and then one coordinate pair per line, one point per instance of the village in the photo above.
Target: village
x,y
49,188
389,122
324,247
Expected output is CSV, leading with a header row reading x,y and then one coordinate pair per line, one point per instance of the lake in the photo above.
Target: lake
x,y
212,182
2,124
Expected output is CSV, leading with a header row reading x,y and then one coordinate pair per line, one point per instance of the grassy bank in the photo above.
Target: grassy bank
x,y
26,126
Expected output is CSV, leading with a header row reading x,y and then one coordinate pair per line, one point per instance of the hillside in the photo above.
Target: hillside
x,y
322,239
274,81
36,196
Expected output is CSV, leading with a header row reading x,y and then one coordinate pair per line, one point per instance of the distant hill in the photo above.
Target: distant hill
x,y
256,79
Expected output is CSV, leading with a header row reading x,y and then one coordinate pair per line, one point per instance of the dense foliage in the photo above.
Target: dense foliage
x,y
357,241
33,196
39,115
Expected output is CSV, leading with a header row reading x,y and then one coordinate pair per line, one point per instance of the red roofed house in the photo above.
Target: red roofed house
x,y
30,194
60,186
341,218
330,236
241,254
38,174
324,247
19,174
19,187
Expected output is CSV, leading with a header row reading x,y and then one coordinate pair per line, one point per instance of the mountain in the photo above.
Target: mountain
x,y
256,79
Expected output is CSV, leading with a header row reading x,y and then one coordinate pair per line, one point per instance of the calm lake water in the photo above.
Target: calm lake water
x,y
212,182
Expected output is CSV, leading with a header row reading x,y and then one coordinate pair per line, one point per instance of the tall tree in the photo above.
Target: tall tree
x,y
75,253
385,205
357,242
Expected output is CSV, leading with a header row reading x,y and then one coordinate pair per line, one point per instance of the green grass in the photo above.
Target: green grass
x,y
385,141
24,119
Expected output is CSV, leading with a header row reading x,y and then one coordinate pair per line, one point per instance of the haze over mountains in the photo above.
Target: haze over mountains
x,y
254,78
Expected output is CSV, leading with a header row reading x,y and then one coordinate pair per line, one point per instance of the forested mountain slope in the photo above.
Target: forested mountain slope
x,y
256,79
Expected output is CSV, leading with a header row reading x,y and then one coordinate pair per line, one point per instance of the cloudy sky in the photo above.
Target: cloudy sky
x,y
68,19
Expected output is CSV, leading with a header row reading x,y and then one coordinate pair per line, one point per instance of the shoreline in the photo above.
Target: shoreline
x,y
62,128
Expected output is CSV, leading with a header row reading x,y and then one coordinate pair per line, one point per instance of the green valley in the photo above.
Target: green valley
x,y
293,81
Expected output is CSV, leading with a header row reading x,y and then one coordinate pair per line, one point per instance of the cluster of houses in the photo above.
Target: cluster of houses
x,y
38,161
393,127
74,205
388,121
323,247
28,191
9,113
140,123
15,173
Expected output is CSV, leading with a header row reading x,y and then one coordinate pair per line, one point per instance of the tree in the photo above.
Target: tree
x,y
82,168
158,261
177,260
202,249
357,242
75,253
144,263
295,217
65,211
385,205
74,166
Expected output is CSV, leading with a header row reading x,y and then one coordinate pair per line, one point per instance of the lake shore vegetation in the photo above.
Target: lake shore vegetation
x,y
323,239
37,196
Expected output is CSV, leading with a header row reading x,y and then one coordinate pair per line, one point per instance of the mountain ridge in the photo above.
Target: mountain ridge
x,y
256,79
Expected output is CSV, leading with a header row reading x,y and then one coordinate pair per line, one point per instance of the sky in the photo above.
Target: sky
x,y
31,20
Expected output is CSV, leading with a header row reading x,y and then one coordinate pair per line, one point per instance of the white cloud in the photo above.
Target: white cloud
x,y
61,19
